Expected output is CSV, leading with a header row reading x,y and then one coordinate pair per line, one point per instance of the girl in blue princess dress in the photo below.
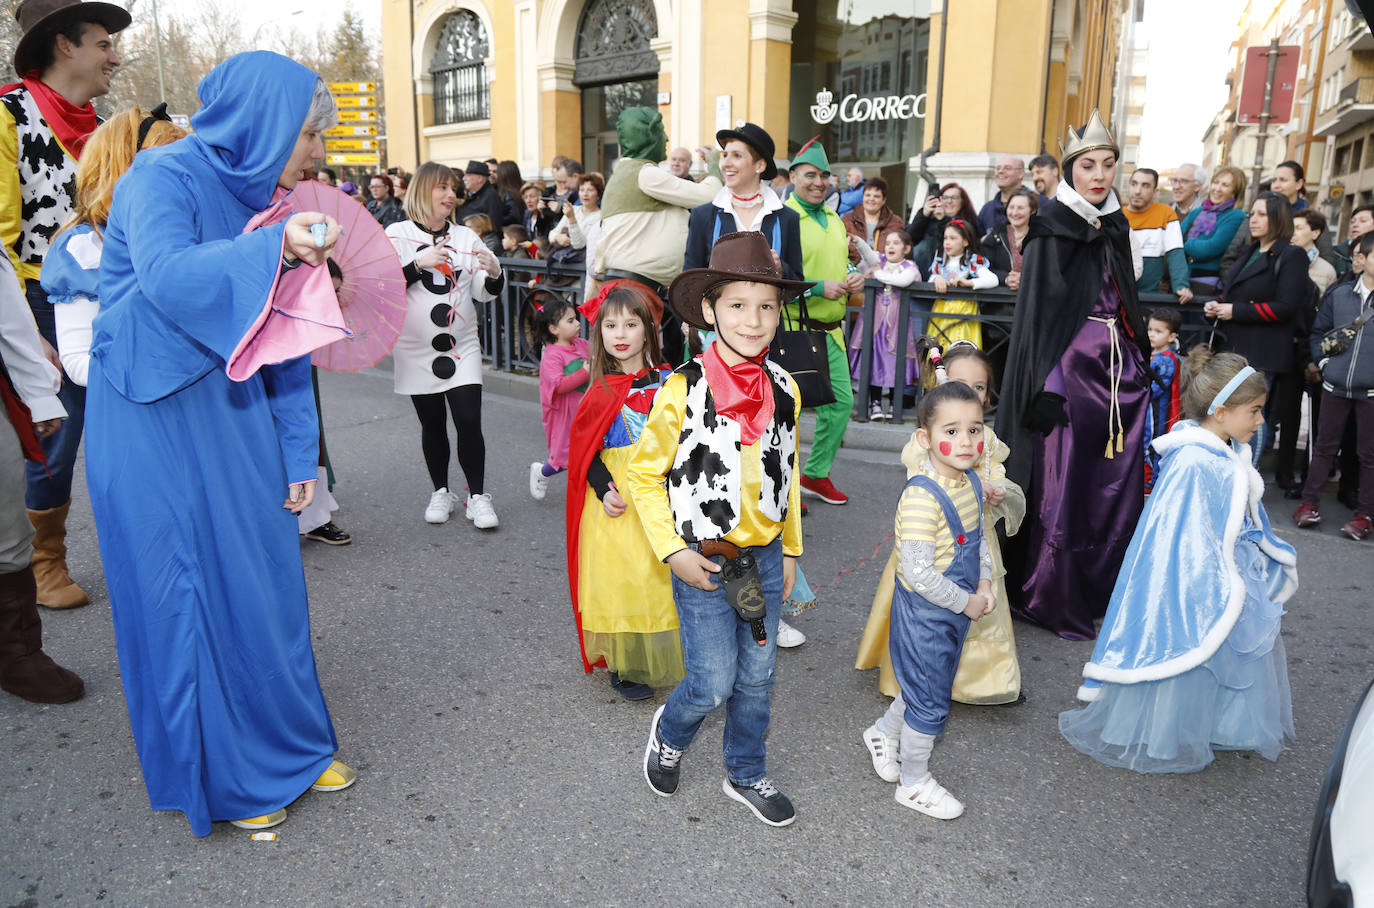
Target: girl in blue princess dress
x,y
1189,658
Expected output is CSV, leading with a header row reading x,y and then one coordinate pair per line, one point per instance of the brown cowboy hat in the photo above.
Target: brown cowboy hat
x,y
743,256
40,20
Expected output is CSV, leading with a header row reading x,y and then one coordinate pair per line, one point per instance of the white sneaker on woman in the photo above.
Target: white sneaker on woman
x,y
480,511
930,798
539,483
789,636
440,506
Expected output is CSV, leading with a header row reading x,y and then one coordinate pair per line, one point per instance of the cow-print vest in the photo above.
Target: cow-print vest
x,y
47,177
704,483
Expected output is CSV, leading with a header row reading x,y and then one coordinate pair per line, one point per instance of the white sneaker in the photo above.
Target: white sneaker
x,y
480,512
440,507
930,798
883,749
539,483
789,636
875,412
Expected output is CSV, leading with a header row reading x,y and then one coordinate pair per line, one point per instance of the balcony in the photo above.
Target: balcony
x,y
1354,106
1360,38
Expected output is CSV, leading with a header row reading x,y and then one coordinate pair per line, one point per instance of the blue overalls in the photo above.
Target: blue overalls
x,y
925,640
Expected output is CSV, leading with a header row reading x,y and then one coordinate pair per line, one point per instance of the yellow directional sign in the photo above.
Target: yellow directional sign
x,y
358,101
353,157
352,87
352,145
339,131
357,116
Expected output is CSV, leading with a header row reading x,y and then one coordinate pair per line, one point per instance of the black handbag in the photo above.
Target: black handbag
x,y
803,354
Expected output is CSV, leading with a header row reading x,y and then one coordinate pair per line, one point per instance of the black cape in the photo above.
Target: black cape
x,y
1061,277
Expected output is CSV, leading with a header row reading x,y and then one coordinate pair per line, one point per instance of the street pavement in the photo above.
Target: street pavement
x,y
493,772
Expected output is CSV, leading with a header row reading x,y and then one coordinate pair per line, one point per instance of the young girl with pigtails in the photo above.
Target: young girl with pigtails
x,y
621,594
989,672
556,334
959,264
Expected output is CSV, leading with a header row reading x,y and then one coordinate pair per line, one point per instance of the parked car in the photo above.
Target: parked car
x,y
1340,856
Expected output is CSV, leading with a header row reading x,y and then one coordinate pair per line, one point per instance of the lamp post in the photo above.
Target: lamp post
x,y
258,31
157,46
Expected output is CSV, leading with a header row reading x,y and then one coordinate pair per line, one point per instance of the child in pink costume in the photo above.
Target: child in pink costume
x,y
557,329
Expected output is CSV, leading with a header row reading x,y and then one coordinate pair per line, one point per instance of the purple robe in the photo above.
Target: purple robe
x,y
1082,506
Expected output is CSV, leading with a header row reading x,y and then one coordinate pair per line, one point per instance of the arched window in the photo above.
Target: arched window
x,y
613,42
460,71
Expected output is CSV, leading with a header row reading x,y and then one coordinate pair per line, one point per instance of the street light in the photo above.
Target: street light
x,y
258,31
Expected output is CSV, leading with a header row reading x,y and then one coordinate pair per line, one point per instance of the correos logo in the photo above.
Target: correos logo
x,y
854,109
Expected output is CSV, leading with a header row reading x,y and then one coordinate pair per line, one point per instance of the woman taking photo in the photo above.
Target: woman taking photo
x,y
927,227
437,358
1259,308
199,452
872,220
1208,230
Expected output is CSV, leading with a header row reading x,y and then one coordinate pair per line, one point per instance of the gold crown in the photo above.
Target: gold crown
x,y
1094,136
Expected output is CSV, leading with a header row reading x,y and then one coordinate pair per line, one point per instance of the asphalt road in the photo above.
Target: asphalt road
x,y
492,771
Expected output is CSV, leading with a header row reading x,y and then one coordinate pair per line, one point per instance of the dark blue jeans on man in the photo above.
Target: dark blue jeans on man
x,y
726,666
51,486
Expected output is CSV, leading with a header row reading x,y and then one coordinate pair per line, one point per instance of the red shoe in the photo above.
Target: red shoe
x,y
823,489
1359,527
1308,516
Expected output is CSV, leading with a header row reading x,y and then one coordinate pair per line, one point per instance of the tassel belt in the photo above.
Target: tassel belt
x,y
1116,428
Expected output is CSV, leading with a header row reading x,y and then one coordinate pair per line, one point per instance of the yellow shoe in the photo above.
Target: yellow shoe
x,y
267,821
336,778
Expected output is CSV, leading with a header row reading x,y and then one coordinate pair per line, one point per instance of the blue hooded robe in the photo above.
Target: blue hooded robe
x,y
188,470
1189,658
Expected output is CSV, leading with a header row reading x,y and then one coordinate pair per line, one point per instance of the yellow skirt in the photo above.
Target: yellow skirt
x,y
988,671
624,592
945,331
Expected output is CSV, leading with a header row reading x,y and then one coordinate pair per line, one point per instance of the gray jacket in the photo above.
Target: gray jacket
x,y
1349,374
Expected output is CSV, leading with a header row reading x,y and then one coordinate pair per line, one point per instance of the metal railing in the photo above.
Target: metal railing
x,y
506,346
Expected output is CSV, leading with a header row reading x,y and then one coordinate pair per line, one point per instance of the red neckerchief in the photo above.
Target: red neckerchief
x,y
71,125
741,393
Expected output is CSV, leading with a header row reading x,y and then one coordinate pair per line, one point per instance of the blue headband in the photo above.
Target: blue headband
x,y
1225,393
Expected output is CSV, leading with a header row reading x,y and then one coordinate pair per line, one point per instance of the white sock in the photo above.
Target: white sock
x,y
916,749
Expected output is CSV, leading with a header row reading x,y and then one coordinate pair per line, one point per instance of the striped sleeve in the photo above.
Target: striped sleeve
x,y
919,517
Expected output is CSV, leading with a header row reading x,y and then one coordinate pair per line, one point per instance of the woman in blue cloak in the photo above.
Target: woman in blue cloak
x,y
1190,659
201,421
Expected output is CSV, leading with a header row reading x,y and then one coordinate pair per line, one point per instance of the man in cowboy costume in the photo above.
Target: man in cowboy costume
x,y
64,59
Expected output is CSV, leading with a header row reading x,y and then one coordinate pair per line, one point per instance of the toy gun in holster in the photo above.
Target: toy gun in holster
x,y
743,585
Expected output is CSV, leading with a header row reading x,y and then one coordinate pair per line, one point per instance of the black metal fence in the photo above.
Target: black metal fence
x,y
506,344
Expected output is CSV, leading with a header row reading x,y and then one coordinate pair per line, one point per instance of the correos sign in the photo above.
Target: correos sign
x,y
855,109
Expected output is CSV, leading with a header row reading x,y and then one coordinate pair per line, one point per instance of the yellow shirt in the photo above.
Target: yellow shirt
x,y
921,519
653,457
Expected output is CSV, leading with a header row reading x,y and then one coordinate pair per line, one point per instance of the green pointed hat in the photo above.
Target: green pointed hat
x,y
811,153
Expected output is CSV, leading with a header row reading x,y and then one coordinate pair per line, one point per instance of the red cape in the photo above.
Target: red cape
x,y
1175,395
595,414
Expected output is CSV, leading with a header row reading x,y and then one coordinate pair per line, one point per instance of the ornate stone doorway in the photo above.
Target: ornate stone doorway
x,y
615,69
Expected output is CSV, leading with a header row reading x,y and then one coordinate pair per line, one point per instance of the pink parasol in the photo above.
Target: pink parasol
x,y
373,295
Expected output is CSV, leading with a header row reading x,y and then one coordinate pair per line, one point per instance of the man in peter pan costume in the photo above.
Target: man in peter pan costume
x,y
825,261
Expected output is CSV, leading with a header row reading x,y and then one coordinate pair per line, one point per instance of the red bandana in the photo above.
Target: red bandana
x,y
741,393
71,125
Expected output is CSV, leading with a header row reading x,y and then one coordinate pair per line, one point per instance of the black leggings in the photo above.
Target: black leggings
x,y
465,403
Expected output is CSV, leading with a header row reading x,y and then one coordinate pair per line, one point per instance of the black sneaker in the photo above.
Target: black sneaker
x,y
630,690
661,769
767,803
329,534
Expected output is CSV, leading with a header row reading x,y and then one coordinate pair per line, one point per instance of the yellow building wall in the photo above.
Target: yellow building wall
x,y
770,68
503,122
560,123
725,63
397,86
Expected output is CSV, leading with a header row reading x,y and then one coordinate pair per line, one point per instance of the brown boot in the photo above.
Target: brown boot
x,y
56,589
25,670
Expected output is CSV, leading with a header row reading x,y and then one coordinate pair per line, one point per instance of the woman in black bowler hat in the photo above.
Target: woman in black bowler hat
x,y
437,359
746,202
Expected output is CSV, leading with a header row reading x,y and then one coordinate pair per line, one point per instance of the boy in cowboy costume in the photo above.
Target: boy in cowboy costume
x,y
715,482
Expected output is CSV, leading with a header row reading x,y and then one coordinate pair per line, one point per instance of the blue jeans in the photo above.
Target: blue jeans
x,y
725,665
51,487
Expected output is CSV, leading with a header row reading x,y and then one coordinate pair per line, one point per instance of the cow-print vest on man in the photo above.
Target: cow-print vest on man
x,y
47,177
704,483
